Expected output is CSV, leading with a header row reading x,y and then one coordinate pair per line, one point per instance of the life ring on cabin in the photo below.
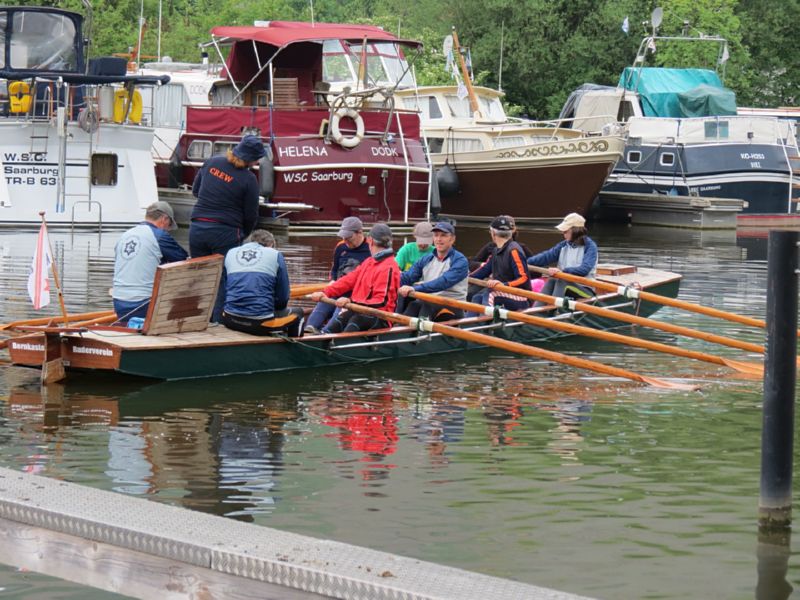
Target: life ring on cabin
x,y
19,96
121,106
350,141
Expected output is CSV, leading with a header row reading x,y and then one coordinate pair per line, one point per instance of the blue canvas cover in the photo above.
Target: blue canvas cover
x,y
679,93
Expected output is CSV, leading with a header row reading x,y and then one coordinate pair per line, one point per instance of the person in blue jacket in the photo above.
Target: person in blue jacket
x,y
444,273
257,289
136,257
576,254
227,204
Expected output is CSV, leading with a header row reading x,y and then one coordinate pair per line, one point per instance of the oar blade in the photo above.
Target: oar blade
x,y
748,369
669,385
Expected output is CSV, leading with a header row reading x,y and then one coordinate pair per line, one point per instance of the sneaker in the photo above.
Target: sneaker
x,y
311,330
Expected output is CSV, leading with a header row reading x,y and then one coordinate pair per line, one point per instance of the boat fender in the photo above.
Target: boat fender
x,y
447,181
87,119
435,201
121,106
336,133
266,175
19,96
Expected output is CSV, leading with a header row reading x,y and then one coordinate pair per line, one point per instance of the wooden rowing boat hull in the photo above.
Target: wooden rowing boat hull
x,y
219,351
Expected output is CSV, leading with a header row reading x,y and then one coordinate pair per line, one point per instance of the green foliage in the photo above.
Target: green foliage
x,y
550,47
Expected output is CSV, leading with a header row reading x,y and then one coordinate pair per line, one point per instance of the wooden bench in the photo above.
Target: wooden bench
x,y
183,295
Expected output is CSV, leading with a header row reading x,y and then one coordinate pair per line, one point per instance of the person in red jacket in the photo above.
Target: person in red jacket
x,y
374,283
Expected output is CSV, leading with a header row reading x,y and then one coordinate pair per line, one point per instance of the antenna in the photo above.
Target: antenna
x,y
159,30
656,18
312,11
500,72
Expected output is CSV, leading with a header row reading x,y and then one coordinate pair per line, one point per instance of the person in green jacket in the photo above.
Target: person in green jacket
x,y
413,251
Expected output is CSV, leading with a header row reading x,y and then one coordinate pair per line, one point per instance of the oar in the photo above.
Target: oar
x,y
628,318
70,318
509,346
629,292
306,288
742,367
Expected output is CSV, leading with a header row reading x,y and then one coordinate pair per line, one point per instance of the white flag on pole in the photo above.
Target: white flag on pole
x,y
38,279
626,26
725,55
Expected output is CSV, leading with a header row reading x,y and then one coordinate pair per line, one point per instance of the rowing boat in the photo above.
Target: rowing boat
x,y
180,353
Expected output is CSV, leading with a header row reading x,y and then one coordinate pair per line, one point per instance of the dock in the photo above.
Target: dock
x,y
692,212
146,549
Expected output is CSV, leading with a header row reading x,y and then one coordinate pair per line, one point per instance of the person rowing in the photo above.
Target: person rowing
x,y
373,284
576,254
442,273
506,266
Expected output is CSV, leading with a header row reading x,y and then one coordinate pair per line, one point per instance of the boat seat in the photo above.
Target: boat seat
x,y
184,293
285,92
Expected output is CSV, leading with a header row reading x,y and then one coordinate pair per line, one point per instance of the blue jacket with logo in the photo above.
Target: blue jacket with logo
x,y
136,257
257,283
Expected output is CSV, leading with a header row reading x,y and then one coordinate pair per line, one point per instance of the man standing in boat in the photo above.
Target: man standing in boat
x,y
374,284
443,273
257,289
348,254
136,257
227,204
506,266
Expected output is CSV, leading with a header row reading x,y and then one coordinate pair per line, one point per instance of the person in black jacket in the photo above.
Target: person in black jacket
x,y
486,252
226,211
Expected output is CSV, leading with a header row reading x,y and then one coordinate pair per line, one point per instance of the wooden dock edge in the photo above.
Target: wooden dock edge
x,y
146,549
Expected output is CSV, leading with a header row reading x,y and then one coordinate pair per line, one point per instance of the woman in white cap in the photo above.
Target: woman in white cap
x,y
576,255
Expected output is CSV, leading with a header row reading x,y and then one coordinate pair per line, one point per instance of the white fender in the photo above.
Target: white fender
x,y
336,134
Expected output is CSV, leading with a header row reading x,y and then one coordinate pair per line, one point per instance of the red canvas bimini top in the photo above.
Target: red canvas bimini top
x,y
283,33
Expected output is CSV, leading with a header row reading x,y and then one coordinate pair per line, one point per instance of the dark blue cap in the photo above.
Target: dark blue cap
x,y
250,149
445,227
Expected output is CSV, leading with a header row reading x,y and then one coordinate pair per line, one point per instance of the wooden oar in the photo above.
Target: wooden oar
x,y
306,288
742,367
509,346
655,298
70,318
628,318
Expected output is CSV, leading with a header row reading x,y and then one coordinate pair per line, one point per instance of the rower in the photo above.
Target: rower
x,y
506,266
136,257
421,246
576,254
374,284
443,273
257,289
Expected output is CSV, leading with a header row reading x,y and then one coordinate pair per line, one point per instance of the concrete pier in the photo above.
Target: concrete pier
x,y
145,549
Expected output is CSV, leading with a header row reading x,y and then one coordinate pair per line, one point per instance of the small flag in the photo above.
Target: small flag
x,y
626,26
38,279
725,56
461,91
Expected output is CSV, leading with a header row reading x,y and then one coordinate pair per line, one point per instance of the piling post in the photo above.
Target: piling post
x,y
780,372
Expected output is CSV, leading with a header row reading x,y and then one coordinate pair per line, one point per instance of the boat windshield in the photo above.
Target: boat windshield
x,y
39,41
491,108
385,64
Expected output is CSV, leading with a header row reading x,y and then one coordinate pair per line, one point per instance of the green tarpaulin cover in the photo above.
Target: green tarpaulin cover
x,y
679,92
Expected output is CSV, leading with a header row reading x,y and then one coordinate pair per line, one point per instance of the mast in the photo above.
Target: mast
x,y
473,99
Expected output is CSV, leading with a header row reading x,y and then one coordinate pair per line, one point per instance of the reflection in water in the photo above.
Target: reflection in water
x,y
480,460
774,550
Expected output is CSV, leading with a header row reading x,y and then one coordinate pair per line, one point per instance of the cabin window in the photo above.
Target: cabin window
x,y
199,150
625,111
715,130
223,147
634,157
169,105
434,112
492,109
435,145
459,107
104,169
43,41
667,159
335,64
465,145
508,141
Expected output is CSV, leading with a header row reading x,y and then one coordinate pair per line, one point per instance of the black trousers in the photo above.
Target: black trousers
x,y
433,312
289,320
348,320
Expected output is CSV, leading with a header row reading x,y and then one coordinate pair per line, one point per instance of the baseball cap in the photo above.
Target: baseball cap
x,y
350,225
381,234
165,208
502,223
423,232
444,227
570,221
